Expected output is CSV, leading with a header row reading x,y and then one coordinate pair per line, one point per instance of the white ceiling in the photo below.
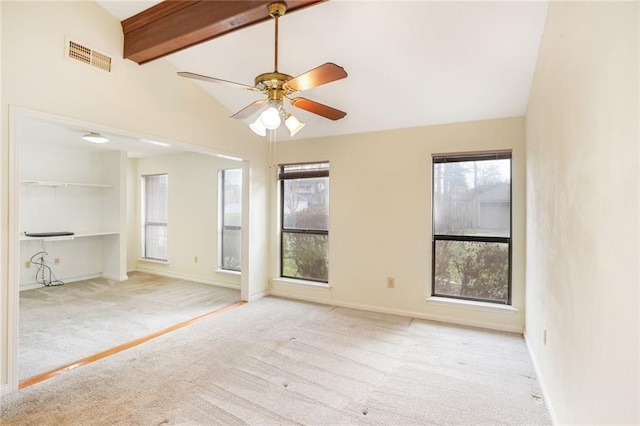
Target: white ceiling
x,y
35,131
410,63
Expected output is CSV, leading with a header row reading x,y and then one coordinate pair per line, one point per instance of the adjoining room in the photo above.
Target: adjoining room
x,y
107,253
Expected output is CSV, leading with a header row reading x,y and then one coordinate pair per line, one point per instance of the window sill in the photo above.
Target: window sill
x,y
162,262
228,272
472,304
293,281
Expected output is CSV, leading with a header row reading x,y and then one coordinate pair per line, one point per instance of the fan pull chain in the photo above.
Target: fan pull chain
x,y
273,156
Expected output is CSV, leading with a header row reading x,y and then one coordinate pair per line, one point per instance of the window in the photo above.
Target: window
x,y
472,227
304,208
231,218
154,216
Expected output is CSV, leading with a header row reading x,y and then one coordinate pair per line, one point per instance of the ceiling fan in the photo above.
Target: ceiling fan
x,y
278,86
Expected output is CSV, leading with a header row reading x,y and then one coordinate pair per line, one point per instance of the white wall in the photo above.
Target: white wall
x,y
582,204
148,101
192,216
380,217
47,208
79,209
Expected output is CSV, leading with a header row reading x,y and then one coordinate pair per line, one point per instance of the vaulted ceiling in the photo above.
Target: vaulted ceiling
x,y
410,63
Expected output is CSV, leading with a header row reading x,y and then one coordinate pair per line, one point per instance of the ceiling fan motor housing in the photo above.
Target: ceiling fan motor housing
x,y
278,86
273,83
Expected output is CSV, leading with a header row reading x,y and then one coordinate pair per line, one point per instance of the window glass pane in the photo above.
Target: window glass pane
x,y
472,198
471,269
306,204
155,210
155,189
305,256
155,242
232,203
231,249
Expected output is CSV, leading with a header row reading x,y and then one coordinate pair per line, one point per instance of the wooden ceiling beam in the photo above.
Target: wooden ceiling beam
x,y
174,25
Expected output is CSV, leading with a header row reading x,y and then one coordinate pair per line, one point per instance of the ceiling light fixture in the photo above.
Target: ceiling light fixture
x,y
258,128
94,137
272,117
293,124
278,86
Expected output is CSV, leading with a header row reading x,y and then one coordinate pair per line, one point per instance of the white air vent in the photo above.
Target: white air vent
x,y
88,56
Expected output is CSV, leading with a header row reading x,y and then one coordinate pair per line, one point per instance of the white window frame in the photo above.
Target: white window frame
x,y
283,175
222,226
469,157
144,222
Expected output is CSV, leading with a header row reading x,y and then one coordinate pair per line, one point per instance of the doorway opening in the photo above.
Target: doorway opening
x,y
73,294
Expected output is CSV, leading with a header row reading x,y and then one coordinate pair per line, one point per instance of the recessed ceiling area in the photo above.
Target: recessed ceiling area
x,y
39,131
409,63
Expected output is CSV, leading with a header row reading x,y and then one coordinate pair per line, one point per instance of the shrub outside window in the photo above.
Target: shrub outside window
x,y
304,218
472,227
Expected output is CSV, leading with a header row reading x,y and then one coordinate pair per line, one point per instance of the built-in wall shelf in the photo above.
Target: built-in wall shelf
x,y
69,237
85,193
63,184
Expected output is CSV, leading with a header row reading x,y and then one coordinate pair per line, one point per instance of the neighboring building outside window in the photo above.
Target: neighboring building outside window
x,y
154,216
304,218
230,219
472,227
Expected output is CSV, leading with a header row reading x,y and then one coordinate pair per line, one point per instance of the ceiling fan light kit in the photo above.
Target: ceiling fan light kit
x,y
258,128
293,124
270,117
279,86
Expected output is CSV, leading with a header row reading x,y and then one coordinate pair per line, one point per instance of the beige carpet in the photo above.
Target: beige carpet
x,y
63,324
276,361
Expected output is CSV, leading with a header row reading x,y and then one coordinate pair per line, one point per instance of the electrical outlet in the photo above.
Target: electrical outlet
x,y
27,264
195,259
56,261
544,336
391,282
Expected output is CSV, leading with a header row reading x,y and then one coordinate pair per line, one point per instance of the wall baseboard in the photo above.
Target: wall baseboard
x,y
187,277
543,387
400,312
115,277
34,285
260,295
